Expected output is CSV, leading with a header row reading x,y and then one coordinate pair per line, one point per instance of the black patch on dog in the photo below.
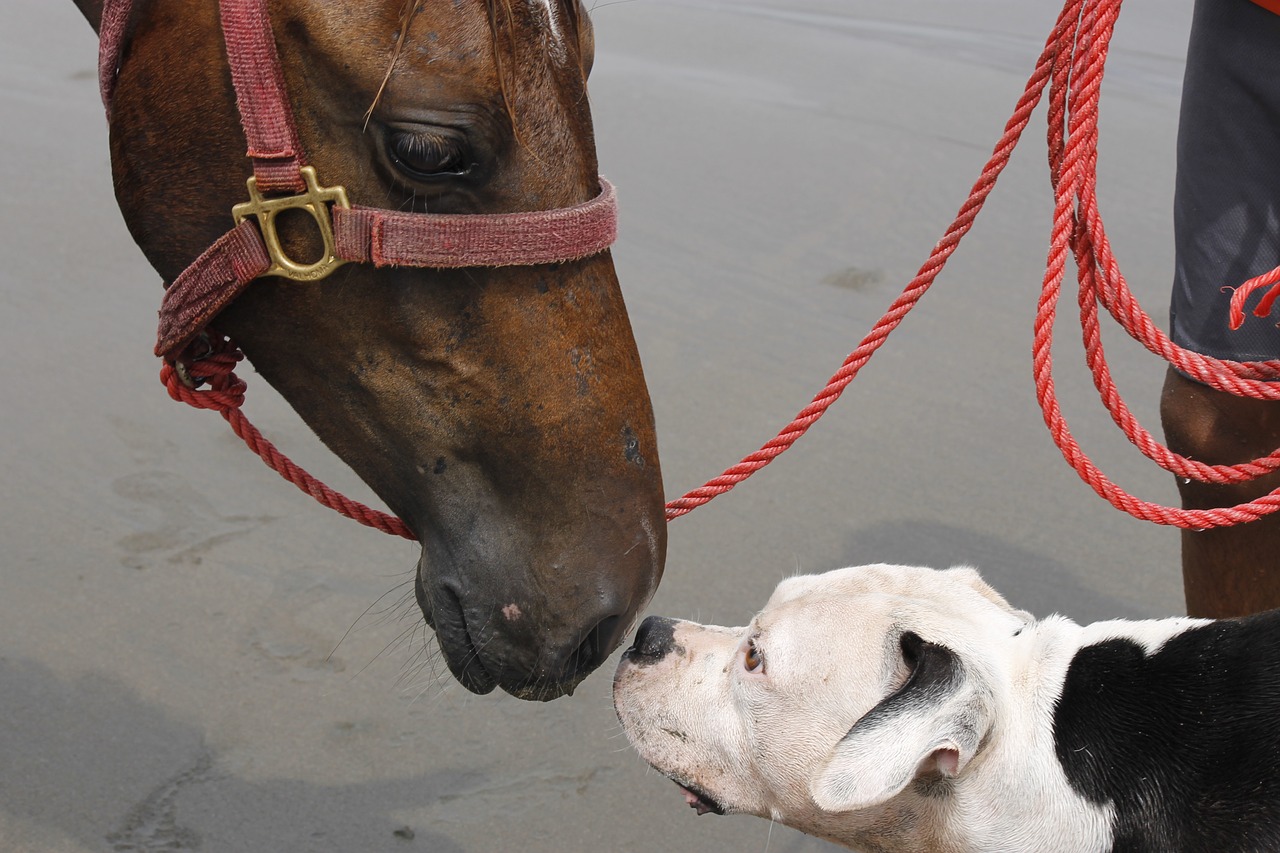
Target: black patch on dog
x,y
935,673
1185,742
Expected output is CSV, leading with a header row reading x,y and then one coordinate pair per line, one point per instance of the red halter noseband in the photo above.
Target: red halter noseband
x,y
282,180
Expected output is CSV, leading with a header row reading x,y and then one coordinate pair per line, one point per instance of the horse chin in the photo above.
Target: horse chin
x,y
545,691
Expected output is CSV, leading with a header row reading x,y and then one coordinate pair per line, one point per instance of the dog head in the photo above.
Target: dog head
x,y
846,690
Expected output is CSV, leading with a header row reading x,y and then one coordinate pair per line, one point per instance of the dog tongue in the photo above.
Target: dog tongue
x,y
694,800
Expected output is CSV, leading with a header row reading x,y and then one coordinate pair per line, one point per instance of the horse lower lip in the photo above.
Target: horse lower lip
x,y
464,662
444,612
459,648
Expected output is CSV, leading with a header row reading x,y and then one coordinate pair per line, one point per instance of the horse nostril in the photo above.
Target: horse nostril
x,y
595,647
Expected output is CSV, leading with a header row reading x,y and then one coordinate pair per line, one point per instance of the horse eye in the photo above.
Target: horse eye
x,y
428,155
752,660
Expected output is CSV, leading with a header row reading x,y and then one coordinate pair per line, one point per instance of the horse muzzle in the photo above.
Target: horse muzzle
x,y
534,646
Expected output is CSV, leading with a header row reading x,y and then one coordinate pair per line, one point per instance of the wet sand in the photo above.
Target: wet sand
x,y
176,671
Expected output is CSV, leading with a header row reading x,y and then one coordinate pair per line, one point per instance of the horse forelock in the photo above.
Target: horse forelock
x,y
561,20
554,23
549,28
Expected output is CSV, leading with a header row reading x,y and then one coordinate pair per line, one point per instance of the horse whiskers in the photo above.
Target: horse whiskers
x,y
423,656
394,643
425,660
441,683
438,685
426,657
382,614
403,608
406,18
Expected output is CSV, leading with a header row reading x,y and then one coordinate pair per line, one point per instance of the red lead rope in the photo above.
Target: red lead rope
x,y
1071,66
225,395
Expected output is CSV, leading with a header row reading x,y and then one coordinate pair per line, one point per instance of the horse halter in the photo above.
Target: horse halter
x,y
282,180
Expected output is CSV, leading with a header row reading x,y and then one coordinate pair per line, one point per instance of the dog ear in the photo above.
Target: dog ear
x,y
931,725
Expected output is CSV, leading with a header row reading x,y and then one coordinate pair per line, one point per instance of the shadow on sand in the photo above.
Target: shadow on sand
x,y
71,749
1029,581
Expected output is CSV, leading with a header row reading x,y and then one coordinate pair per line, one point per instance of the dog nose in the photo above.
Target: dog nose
x,y
654,640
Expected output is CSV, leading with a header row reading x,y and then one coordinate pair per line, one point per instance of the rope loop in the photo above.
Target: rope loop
x,y
1242,293
1071,69
210,360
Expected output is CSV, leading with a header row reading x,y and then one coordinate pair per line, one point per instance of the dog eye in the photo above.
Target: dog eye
x,y
752,660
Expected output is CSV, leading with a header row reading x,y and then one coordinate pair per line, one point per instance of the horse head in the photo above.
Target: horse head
x,y
500,412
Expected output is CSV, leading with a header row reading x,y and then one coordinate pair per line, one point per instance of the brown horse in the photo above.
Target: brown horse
x,y
500,412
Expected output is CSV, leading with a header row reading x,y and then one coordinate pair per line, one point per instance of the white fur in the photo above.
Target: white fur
x,y
979,774
555,30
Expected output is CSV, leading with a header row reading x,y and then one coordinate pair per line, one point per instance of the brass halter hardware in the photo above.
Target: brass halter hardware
x,y
315,201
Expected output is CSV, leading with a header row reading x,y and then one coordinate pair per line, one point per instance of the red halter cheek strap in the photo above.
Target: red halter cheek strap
x,y
252,248
265,112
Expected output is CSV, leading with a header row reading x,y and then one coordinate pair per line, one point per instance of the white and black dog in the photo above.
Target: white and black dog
x,y
894,708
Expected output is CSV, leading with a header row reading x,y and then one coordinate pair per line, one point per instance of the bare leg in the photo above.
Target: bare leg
x,y
1230,571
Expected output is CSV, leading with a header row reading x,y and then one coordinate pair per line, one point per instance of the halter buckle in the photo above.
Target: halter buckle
x,y
315,201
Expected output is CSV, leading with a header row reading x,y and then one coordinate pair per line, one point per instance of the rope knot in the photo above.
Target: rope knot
x,y
206,361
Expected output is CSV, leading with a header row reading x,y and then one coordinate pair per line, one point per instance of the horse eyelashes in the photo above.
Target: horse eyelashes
x,y
429,155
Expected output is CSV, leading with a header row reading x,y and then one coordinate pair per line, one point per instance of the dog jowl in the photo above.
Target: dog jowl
x,y
896,708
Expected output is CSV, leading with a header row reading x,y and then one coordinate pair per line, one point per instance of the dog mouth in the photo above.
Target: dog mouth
x,y
699,800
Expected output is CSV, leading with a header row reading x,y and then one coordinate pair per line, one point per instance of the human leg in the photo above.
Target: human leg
x,y
1228,571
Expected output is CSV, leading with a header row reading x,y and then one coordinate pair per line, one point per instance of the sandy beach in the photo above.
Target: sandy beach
x,y
195,656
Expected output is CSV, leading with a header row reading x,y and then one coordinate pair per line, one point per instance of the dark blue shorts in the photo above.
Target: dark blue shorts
x,y
1226,205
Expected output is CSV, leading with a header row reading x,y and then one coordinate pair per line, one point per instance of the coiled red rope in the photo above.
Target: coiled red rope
x,y
1071,67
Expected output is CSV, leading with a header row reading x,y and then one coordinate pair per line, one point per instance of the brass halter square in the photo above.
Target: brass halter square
x,y
315,201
